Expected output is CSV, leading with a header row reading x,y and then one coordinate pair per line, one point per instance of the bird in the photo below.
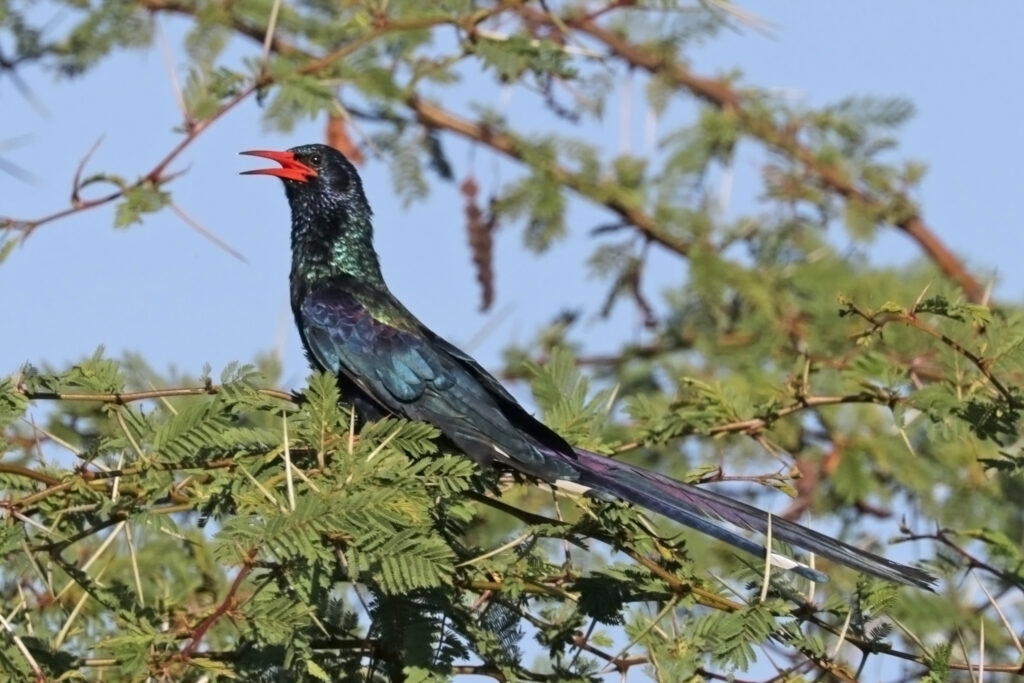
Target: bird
x,y
388,363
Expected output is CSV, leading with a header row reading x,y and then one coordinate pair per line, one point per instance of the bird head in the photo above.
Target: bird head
x,y
315,176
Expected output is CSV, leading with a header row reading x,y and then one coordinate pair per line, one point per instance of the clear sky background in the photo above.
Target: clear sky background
x,y
162,290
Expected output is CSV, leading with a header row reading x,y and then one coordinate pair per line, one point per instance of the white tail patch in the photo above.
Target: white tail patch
x,y
565,487
783,562
571,487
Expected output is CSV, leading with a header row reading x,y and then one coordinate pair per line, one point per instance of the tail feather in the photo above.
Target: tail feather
x,y
701,509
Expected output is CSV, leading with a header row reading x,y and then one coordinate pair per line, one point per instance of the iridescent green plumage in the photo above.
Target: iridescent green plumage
x,y
332,241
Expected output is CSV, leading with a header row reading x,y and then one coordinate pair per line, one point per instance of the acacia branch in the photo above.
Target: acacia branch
x,y
608,193
28,473
972,560
755,425
158,176
717,92
124,398
911,318
546,586
721,94
228,603
23,649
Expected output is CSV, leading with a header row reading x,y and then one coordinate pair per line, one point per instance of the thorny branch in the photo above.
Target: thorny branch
x,y
721,94
746,426
158,176
911,319
677,587
755,425
229,603
943,536
604,192
433,116
717,92
123,398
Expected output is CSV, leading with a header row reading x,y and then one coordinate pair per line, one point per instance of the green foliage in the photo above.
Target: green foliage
x,y
98,30
541,202
219,529
206,89
299,96
138,200
511,57
729,636
7,246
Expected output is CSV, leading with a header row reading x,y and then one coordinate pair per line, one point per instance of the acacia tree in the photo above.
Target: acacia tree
x,y
223,528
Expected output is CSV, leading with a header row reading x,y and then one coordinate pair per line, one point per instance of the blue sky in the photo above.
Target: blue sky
x,y
165,292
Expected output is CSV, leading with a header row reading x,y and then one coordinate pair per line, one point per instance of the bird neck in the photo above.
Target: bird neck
x,y
329,245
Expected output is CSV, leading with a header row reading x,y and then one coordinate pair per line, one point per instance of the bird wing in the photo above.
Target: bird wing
x,y
394,359
403,366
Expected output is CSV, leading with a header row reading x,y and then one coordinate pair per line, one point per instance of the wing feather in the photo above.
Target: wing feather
x,y
414,373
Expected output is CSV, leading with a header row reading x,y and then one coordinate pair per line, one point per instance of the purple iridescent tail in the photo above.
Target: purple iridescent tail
x,y
702,509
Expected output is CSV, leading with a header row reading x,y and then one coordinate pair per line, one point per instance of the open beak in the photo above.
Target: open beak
x,y
291,168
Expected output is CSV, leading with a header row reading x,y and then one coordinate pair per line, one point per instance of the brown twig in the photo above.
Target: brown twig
x,y
607,193
123,398
227,604
717,92
983,365
157,176
76,183
720,93
754,425
28,473
911,319
973,562
620,664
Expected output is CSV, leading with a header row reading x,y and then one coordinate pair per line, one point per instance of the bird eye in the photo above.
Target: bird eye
x,y
315,160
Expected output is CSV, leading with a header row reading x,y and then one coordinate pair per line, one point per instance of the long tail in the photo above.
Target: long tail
x,y
702,509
